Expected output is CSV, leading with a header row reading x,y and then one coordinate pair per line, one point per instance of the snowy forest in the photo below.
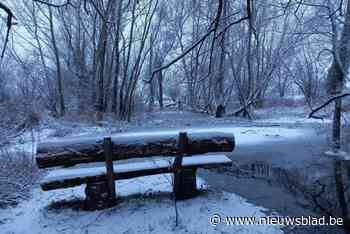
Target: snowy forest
x,y
155,116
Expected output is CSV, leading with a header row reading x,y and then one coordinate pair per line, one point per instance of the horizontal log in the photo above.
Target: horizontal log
x,y
66,178
72,151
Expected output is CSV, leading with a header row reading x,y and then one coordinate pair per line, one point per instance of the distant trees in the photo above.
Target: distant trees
x,y
96,52
110,56
308,78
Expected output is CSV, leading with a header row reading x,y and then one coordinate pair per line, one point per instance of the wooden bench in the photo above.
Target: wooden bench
x,y
184,154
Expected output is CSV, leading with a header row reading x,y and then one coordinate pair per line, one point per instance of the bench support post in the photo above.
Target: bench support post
x,y
184,184
101,195
97,196
108,151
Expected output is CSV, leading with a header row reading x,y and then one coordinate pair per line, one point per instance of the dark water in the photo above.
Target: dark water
x,y
272,174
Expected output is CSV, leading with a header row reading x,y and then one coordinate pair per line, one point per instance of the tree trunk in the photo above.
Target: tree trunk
x,y
337,72
219,86
336,133
160,90
340,190
117,58
101,53
150,69
58,66
101,57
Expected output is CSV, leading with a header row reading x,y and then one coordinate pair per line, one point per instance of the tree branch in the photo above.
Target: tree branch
x,y
10,17
213,28
311,115
54,5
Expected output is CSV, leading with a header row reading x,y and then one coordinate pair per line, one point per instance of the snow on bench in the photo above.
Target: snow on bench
x,y
100,181
65,178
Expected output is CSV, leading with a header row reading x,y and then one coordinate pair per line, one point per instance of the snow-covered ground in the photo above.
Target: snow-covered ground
x,y
142,212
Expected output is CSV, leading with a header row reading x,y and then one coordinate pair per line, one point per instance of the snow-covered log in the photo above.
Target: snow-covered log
x,y
72,151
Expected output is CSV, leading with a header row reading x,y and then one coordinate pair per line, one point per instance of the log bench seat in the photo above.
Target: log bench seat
x,y
178,153
70,177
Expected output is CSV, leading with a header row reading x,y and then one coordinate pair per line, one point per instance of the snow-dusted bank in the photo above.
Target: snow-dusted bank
x,y
144,214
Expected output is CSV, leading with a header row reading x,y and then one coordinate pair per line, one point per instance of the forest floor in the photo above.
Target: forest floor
x,y
287,141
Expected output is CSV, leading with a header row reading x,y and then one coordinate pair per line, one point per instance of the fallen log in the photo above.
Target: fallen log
x,y
71,151
244,110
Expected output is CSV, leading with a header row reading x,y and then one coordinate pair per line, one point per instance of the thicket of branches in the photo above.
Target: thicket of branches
x,y
119,56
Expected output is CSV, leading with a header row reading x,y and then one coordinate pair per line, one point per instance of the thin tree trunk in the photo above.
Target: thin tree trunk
x,y
160,90
101,60
219,91
336,133
58,66
117,58
151,83
101,53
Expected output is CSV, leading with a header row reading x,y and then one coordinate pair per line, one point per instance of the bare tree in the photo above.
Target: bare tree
x,y
58,65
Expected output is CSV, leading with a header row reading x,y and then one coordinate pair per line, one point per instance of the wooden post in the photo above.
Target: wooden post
x,y
184,179
182,144
108,151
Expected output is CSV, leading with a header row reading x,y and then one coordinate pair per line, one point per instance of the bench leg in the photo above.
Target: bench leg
x,y
97,196
185,185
